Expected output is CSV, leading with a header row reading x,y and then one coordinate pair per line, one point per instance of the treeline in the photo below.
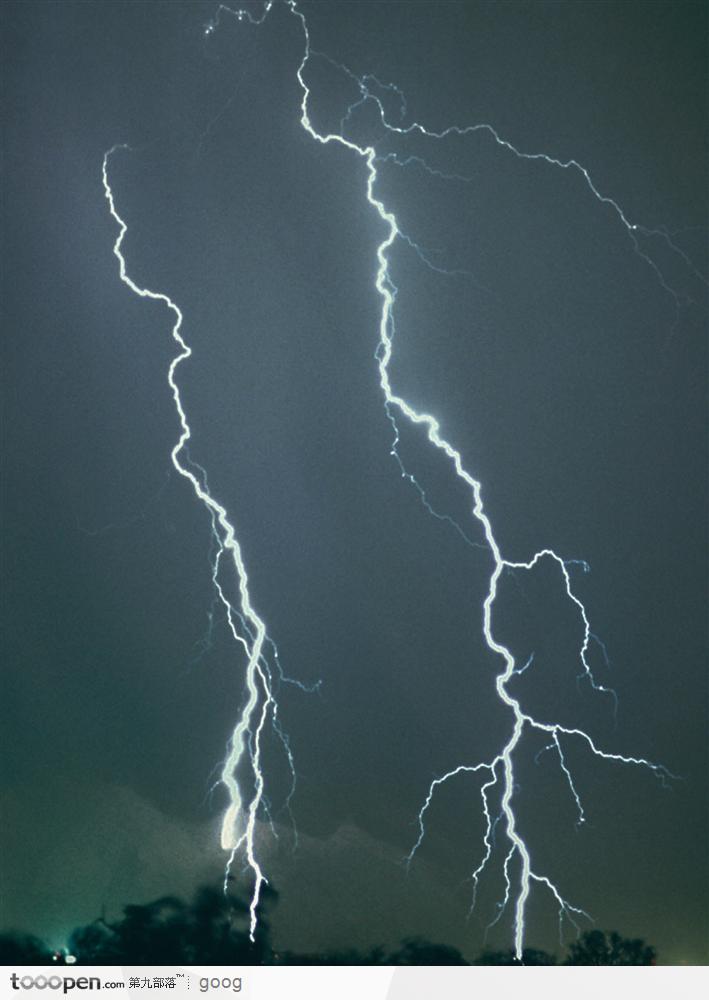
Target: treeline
x,y
214,930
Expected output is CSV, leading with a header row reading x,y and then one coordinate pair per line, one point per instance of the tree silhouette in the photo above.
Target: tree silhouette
x,y
609,948
412,951
346,957
214,930
24,949
530,956
416,951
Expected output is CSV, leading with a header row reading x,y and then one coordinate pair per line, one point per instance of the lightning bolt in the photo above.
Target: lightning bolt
x,y
245,624
248,629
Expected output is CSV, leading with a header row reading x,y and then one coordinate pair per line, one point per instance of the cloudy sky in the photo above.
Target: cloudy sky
x,y
567,366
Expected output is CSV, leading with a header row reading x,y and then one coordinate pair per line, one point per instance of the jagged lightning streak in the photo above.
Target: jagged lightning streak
x,y
244,635
239,822
501,768
500,771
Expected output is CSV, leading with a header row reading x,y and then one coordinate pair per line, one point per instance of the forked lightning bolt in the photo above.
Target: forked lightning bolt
x,y
519,872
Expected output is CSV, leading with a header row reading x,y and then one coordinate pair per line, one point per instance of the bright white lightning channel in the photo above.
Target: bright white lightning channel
x,y
239,822
499,773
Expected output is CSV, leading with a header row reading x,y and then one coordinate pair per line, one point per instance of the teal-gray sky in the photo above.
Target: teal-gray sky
x,y
554,358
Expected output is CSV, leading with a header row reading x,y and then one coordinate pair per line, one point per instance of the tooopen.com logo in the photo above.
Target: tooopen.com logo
x,y
63,983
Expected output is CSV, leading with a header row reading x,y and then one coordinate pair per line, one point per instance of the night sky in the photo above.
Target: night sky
x,y
571,380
